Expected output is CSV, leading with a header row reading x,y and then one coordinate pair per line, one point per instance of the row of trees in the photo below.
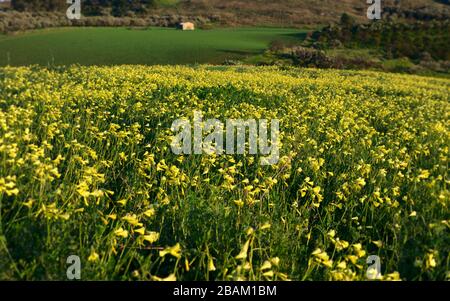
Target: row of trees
x,y
397,39
90,7
38,5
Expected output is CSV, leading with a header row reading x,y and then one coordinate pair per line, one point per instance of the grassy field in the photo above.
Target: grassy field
x,y
110,46
86,169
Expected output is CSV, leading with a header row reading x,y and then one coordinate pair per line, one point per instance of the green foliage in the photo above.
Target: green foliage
x,y
90,7
395,39
347,21
38,5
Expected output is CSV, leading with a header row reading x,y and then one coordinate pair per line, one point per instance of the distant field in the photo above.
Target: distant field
x,y
110,46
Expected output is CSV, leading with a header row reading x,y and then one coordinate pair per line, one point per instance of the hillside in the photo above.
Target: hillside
x,y
243,12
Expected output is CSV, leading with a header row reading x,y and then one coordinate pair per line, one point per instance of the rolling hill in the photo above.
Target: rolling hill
x,y
292,12
243,12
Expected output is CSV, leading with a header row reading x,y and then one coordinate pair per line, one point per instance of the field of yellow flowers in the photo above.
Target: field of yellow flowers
x,y
86,169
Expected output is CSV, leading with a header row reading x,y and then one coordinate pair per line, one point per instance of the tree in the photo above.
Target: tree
x,y
347,20
19,5
119,7
38,5
92,7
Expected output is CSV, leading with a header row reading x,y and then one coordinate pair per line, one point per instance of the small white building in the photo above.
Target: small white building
x,y
186,26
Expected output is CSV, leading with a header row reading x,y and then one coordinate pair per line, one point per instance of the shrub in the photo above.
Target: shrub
x,y
307,57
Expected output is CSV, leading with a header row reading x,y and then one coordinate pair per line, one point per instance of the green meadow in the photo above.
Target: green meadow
x,y
152,46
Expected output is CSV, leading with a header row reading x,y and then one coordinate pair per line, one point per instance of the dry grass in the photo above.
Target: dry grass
x,y
289,12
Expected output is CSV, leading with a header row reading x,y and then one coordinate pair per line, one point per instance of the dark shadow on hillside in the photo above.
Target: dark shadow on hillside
x,y
301,36
239,52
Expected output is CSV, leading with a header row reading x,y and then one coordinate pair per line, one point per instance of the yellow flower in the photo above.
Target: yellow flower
x,y
244,250
151,237
186,264
424,174
122,202
64,216
140,231
266,265
316,190
121,232
359,251
122,156
93,257
29,204
360,182
8,185
249,231
352,258
175,251
378,243
322,258
265,226
283,276
211,267
341,244
171,277
342,265
112,216
430,261
150,212
132,219
239,203
392,277
275,261
246,266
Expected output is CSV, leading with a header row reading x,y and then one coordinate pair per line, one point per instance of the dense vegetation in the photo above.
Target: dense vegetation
x,y
410,46
396,39
90,7
86,169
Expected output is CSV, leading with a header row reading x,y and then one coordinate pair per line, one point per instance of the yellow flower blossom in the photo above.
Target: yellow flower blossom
x,y
175,251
